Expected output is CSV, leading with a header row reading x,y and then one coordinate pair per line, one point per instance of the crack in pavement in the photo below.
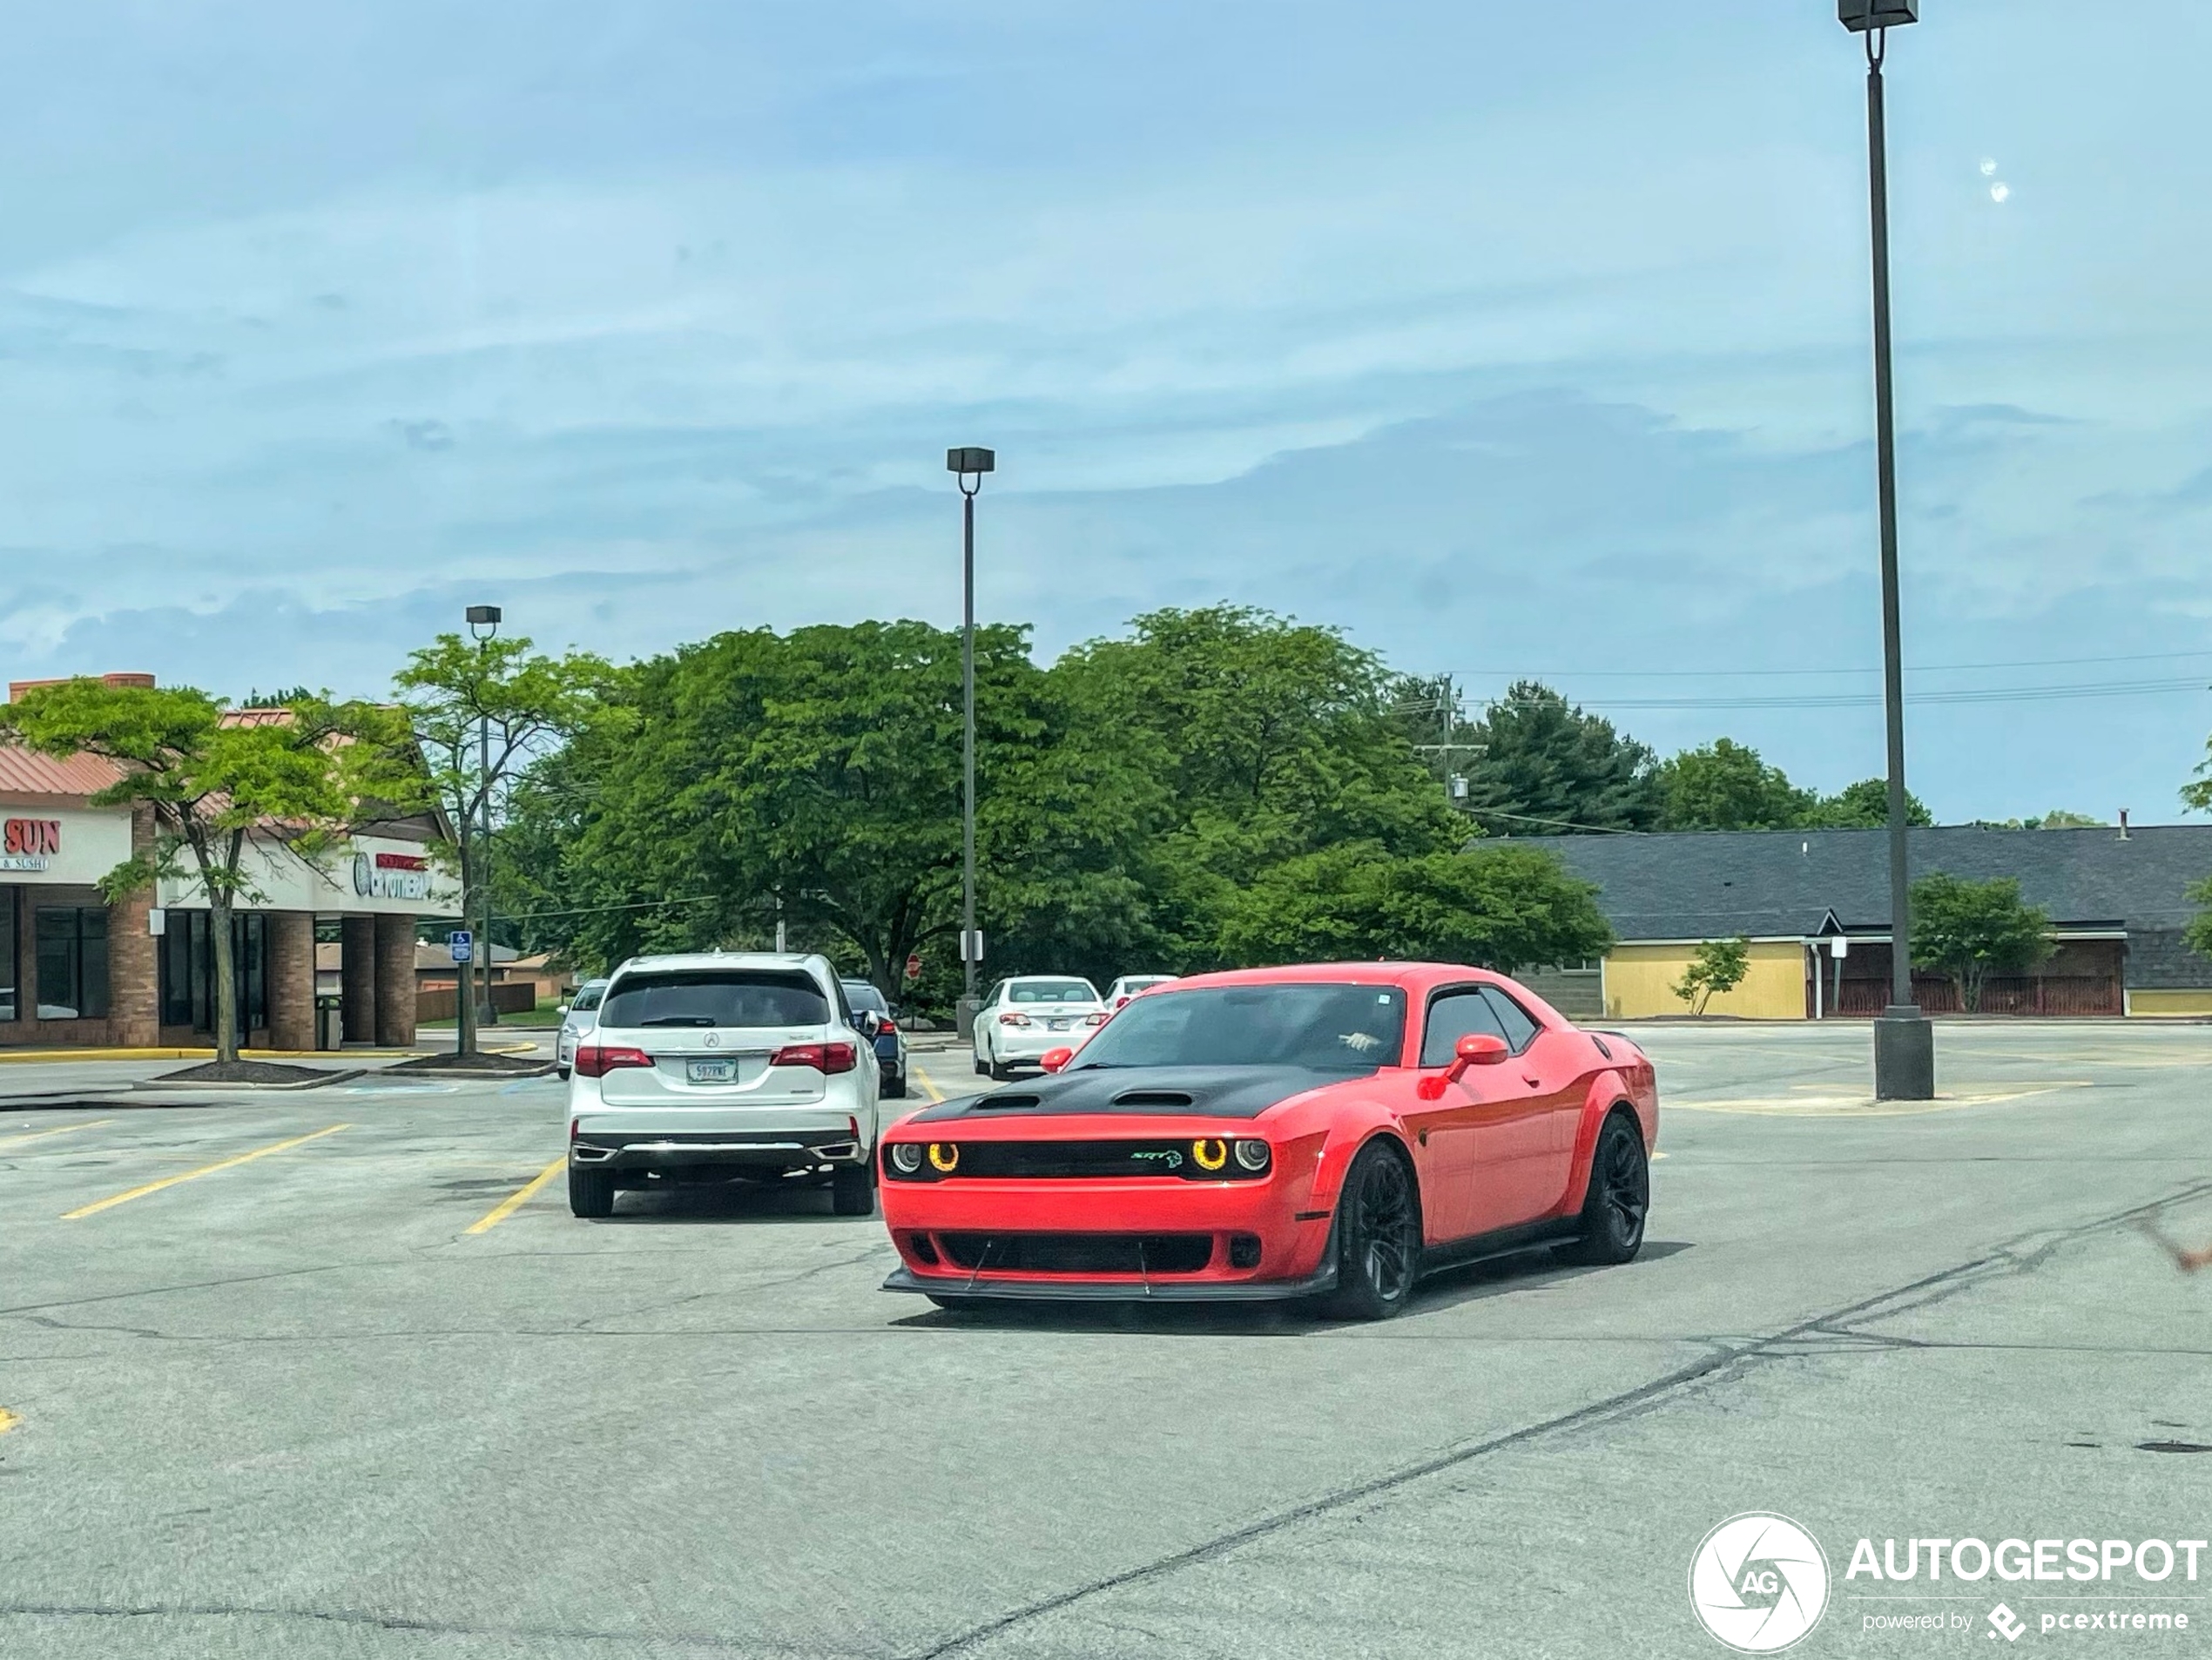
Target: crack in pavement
x,y
1725,1365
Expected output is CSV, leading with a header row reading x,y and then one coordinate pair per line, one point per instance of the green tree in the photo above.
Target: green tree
x,y
1717,967
480,711
2198,932
1725,785
1241,739
1968,930
1546,768
1501,907
218,787
1863,805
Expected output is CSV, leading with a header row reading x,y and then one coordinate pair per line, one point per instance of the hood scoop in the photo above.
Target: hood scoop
x,y
992,1102
1166,1100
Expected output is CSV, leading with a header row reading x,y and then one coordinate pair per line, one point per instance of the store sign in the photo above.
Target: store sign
x,y
29,844
391,876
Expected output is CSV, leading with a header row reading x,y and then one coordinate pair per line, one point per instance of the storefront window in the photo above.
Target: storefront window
x,y
188,971
7,953
72,962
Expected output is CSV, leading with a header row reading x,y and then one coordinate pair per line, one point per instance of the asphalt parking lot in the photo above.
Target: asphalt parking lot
x,y
325,1374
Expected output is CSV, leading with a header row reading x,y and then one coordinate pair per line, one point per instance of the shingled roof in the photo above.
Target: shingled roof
x,y
1707,885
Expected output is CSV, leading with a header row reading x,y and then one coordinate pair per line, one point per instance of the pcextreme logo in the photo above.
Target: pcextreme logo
x,y
1758,1582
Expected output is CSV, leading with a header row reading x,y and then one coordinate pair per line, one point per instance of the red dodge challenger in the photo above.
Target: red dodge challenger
x,y
1329,1131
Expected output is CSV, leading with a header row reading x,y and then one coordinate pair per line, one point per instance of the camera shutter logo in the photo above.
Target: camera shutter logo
x,y
1758,1582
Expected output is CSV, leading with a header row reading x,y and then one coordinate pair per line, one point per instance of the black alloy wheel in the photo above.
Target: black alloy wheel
x,y
1618,1197
1379,1236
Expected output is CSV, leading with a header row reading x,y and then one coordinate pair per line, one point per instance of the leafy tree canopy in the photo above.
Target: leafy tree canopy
x,y
1717,967
1969,930
1864,805
1725,785
1546,768
1502,907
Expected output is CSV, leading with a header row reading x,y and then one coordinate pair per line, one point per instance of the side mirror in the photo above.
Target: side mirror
x,y
1053,1059
564,1009
1476,1048
1480,1049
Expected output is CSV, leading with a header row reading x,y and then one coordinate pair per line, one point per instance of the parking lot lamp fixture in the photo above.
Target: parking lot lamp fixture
x,y
965,464
1904,1042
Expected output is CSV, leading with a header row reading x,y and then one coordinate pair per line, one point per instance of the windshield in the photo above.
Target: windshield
x,y
716,997
1052,991
1329,1029
862,994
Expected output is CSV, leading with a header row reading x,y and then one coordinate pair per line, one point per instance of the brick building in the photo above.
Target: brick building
x,y
78,972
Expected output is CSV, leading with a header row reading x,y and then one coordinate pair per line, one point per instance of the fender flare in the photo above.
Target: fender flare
x,y
1347,1138
1607,1091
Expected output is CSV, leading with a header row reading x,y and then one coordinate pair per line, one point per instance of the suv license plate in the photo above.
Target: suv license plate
x,y
711,1071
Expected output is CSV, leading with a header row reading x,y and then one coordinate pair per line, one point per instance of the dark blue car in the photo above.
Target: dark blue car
x,y
890,1042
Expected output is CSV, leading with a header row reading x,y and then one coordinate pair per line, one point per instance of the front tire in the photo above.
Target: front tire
x,y
592,1193
852,1192
1378,1237
894,1087
561,1073
1619,1196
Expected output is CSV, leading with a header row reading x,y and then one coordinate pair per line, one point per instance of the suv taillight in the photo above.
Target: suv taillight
x,y
594,1060
823,1057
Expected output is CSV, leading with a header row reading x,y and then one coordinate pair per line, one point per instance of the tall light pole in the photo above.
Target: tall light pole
x,y
965,464
487,618
1903,1041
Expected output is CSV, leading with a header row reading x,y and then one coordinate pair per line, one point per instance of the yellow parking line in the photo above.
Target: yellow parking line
x,y
59,1129
7,1420
192,1175
519,1197
930,1084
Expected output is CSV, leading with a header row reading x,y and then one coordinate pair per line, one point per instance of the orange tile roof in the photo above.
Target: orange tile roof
x,y
24,771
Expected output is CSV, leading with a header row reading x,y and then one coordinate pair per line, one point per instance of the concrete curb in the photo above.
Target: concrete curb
x,y
474,1074
164,1086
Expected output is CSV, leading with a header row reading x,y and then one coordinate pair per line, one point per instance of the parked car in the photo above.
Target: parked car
x,y
1130,984
1022,1017
1330,1132
724,1066
579,1016
890,1042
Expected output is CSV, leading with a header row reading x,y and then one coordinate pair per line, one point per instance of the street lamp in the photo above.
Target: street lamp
x,y
1903,1041
487,618
964,464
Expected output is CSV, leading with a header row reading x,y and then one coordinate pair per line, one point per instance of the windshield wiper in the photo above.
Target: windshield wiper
x,y
678,1019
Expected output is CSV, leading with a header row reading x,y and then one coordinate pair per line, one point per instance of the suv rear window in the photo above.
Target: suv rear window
x,y
716,997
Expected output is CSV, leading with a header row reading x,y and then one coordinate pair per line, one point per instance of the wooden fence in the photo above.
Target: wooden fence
x,y
439,1002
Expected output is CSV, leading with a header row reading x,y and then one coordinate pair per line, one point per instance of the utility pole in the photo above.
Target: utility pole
x,y
468,1013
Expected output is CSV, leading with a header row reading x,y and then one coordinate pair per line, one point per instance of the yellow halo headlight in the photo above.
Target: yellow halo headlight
x,y
944,1156
1210,1154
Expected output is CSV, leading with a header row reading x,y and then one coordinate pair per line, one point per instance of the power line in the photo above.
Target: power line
x,y
1716,674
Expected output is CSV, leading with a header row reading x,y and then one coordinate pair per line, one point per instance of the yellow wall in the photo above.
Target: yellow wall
x,y
1640,979
2169,1002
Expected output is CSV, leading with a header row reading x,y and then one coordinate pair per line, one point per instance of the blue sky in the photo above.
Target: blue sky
x,y
1514,339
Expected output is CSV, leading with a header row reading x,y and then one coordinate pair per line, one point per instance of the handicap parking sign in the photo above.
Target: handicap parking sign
x,y
463,944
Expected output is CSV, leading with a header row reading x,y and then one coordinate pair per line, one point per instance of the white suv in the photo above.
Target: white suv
x,y
710,1067
1022,1018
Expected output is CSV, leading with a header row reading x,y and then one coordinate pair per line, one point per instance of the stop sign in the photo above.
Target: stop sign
x,y
914,967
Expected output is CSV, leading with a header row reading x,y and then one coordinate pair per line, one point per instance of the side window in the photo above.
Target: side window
x,y
844,1004
1452,1017
1520,1026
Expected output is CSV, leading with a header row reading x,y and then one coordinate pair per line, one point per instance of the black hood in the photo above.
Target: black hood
x,y
1143,1092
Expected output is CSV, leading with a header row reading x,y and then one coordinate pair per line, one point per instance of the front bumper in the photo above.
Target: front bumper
x,y
1056,1288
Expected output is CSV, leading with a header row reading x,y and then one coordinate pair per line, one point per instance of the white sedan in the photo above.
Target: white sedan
x,y
1021,1018
1130,984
